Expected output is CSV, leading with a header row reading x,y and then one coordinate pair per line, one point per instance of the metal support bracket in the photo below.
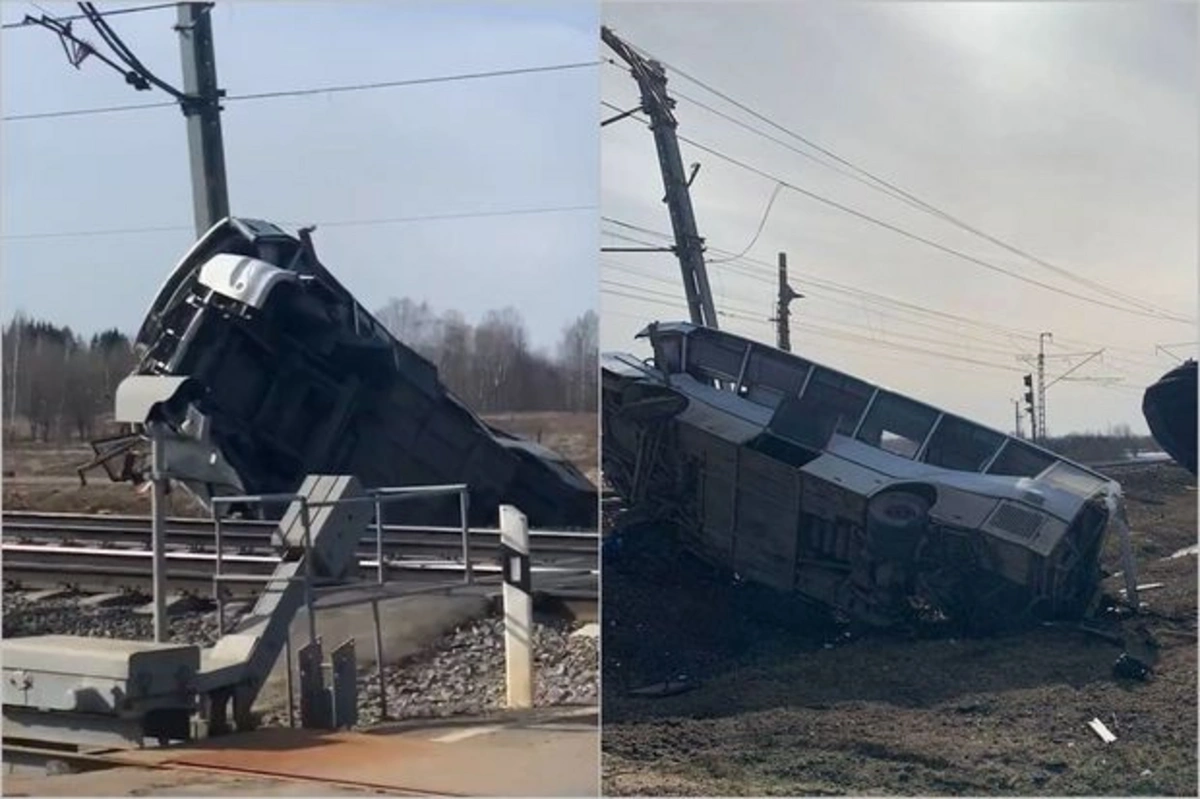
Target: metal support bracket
x,y
343,694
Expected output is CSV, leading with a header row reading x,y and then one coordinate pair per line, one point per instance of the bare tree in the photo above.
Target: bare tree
x,y
578,353
500,349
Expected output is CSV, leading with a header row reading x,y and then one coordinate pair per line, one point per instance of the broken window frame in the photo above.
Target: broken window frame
x,y
704,369
950,418
900,400
839,385
662,346
770,389
1011,443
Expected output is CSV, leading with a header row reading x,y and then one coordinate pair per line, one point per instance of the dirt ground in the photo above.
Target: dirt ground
x,y
42,476
787,703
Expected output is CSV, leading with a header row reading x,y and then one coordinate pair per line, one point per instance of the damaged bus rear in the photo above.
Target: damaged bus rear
x,y
291,376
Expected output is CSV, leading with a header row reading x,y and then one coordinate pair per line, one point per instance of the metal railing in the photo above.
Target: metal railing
x,y
379,497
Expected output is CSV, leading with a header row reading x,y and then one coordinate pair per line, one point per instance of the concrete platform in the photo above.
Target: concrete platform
x,y
548,752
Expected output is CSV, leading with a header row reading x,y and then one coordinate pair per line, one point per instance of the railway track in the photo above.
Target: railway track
x,y
107,553
399,541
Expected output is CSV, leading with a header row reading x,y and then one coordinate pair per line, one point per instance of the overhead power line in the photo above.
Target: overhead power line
x,y
907,196
28,21
330,223
816,285
356,87
919,238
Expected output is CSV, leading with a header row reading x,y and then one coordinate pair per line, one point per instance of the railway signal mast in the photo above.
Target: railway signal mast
x,y
689,246
1031,409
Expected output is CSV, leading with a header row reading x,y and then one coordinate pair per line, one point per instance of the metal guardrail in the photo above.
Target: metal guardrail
x,y
104,568
399,541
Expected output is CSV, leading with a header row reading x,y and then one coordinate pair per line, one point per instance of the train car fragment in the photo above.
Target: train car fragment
x,y
1169,406
292,376
811,481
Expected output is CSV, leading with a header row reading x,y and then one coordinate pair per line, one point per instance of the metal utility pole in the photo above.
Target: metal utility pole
x,y
202,108
1040,430
689,246
782,313
1017,419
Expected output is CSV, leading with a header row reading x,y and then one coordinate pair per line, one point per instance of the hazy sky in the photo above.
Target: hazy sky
x,y
1066,129
499,144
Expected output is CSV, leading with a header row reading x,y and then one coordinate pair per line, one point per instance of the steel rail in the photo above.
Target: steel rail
x,y
398,540
97,568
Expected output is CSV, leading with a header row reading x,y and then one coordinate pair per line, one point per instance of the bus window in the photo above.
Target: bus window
x,y
897,424
770,377
831,403
1020,460
958,444
714,358
668,354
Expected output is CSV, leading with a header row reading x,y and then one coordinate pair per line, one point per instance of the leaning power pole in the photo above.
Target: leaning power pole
x,y
689,246
783,333
202,108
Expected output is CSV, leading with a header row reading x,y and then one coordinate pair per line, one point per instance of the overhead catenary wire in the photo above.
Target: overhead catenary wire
x,y
25,23
814,285
851,290
554,209
917,237
337,89
902,194
959,338
762,223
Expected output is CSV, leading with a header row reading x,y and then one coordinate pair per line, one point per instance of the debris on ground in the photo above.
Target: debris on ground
x,y
1100,729
1128,667
935,714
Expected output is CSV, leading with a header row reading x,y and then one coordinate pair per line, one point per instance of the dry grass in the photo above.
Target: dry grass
x,y
42,476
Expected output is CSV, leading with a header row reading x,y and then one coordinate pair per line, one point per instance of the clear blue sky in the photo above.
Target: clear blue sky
x,y
486,145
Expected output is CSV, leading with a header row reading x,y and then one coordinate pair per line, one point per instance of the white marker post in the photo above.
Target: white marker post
x,y
518,607
158,536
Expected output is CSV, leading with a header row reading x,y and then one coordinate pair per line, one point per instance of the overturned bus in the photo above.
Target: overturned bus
x,y
810,481
295,377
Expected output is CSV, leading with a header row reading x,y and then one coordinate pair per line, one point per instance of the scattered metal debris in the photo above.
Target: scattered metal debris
x,y
670,687
1127,667
1100,729
808,480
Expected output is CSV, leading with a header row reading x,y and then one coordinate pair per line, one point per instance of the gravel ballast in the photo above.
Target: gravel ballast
x,y
463,673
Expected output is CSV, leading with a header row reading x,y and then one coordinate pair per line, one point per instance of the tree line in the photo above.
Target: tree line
x,y
492,367
1117,443
59,385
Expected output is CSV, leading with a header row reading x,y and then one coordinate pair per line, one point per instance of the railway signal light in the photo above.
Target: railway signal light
x,y
1030,407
